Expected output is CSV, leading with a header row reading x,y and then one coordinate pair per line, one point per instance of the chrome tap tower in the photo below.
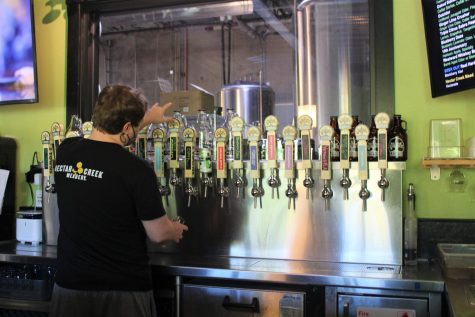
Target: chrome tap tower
x,y
242,216
318,217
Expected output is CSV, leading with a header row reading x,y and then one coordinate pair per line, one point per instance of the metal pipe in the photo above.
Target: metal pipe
x,y
300,60
309,56
261,123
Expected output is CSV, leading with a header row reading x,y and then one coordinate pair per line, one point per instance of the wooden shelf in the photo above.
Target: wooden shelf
x,y
449,162
436,164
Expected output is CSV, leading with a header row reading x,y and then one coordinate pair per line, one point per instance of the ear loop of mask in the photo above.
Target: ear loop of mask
x,y
129,140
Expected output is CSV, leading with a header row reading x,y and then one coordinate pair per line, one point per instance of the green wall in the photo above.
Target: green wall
x,y
413,102
26,122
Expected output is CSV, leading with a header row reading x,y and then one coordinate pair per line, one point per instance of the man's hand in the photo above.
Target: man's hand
x,y
155,114
163,229
179,229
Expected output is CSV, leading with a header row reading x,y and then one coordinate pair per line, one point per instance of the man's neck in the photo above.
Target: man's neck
x,y
100,136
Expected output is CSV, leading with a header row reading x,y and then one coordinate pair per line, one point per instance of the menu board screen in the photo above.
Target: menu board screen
x,y
450,38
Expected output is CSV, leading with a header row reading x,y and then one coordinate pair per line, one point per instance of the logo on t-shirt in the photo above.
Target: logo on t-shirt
x,y
78,171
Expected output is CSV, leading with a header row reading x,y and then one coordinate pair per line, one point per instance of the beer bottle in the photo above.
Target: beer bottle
x,y
397,145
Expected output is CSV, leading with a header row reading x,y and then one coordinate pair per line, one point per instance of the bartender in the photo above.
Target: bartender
x,y
105,216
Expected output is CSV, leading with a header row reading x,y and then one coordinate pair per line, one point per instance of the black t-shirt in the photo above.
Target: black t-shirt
x,y
103,194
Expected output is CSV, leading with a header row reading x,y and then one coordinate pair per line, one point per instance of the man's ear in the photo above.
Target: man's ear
x,y
126,126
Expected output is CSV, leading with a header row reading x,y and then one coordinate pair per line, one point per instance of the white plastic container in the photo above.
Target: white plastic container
x,y
29,227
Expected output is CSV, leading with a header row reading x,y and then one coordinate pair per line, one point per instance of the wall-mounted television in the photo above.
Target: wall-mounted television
x,y
18,79
450,38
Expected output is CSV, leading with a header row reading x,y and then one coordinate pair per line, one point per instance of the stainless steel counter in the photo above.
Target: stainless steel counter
x,y
425,277
12,251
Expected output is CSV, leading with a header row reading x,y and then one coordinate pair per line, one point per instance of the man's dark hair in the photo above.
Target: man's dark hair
x,y
117,105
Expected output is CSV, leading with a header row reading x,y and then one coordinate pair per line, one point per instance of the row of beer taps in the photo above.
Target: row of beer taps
x,y
289,165
160,139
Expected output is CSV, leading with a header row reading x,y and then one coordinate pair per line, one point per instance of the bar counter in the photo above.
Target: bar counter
x,y
423,277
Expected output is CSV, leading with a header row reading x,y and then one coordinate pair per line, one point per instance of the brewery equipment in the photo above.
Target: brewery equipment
x,y
243,96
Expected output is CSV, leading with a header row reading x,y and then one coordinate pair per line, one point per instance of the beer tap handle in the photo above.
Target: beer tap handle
x,y
86,129
189,135
382,123
361,133
47,158
174,144
158,136
304,124
253,136
237,126
344,122
271,124
220,136
326,133
141,143
289,134
57,131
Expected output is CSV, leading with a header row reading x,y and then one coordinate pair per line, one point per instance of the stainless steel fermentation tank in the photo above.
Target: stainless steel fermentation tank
x,y
344,233
252,101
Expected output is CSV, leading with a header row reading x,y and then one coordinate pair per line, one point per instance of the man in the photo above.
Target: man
x,y
108,203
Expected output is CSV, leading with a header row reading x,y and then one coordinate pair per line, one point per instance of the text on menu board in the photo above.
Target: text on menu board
x,y
457,30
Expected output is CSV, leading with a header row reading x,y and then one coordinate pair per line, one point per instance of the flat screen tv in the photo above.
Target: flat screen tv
x,y
450,38
18,79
